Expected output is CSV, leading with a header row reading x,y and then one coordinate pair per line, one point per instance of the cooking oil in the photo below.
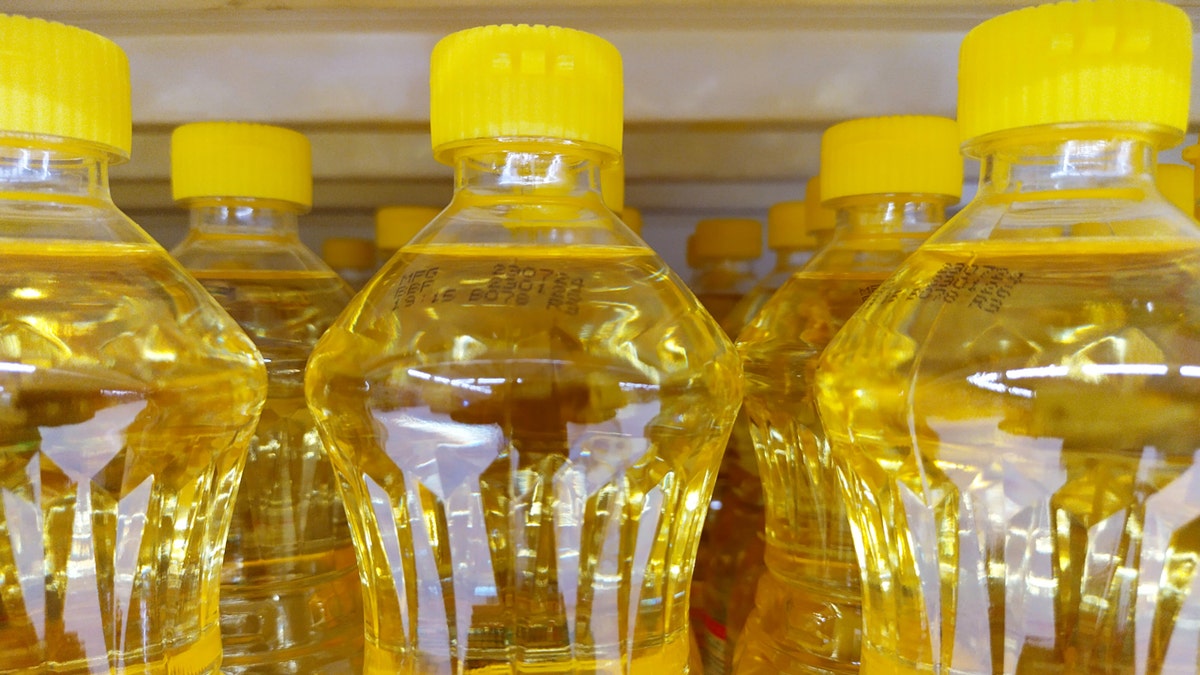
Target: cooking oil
x,y
731,550
128,395
1012,414
890,180
724,251
526,407
352,258
291,601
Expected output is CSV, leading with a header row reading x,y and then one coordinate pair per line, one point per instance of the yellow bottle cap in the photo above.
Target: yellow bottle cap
x,y
728,238
58,80
1092,61
348,253
632,218
239,159
820,217
524,82
612,185
906,154
1177,183
395,226
693,261
787,227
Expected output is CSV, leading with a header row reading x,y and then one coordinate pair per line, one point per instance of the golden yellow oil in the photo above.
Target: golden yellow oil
x,y
126,400
1016,423
809,609
291,601
527,439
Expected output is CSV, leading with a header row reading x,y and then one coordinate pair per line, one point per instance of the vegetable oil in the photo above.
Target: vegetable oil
x,y
731,551
396,225
889,180
526,407
724,251
352,258
1013,413
128,394
290,596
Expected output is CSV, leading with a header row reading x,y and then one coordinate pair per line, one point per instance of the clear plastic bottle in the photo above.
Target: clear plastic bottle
x,y
527,407
351,257
734,543
1191,155
724,251
396,225
290,597
1014,412
820,219
1177,183
890,180
128,395
632,217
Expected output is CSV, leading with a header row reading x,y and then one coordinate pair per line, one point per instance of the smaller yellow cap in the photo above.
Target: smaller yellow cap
x,y
905,154
395,226
612,185
240,159
1177,183
1090,61
820,217
59,80
632,217
787,226
348,253
728,238
524,82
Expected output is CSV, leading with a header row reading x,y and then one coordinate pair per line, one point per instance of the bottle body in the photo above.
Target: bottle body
x,y
1020,472
807,614
731,552
290,595
527,433
129,400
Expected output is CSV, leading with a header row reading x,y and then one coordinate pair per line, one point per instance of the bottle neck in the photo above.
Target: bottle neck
x,y
37,169
244,217
533,173
1067,163
867,215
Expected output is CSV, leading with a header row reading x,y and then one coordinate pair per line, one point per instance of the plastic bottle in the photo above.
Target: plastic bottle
x,y
128,395
1177,183
820,219
1191,155
395,226
352,258
890,180
527,407
731,554
1014,411
724,252
290,597
632,217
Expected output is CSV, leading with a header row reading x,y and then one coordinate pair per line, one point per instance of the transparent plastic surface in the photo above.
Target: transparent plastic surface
x,y
731,549
1014,420
807,614
291,601
126,401
527,410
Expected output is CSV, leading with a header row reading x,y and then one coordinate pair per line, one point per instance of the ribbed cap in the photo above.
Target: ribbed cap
x,y
348,253
820,217
525,82
632,218
612,185
906,154
239,159
728,238
1177,183
395,226
64,81
1085,61
787,226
